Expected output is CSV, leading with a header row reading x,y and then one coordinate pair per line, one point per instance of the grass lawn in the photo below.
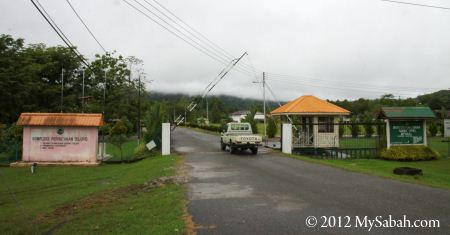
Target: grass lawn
x,y
104,199
127,150
436,173
438,145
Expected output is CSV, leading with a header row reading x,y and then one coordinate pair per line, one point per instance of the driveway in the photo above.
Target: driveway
x,y
268,194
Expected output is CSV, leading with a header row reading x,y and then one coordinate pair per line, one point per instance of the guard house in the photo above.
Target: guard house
x,y
60,137
406,125
314,120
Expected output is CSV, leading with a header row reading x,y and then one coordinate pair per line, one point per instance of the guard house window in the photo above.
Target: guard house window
x,y
326,125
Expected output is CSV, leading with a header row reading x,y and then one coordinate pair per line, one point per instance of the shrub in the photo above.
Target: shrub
x,y
140,150
432,129
271,127
117,136
408,153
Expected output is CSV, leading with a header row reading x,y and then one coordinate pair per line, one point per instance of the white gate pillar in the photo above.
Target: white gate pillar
x,y
286,140
165,139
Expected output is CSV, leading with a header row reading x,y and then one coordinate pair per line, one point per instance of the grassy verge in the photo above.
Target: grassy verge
x,y
105,199
436,173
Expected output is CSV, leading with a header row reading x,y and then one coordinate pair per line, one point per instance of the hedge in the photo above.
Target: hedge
x,y
408,153
204,127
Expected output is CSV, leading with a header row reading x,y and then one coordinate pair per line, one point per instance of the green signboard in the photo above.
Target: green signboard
x,y
406,132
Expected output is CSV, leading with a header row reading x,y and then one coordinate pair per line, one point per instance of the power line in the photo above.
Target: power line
x,y
192,37
208,41
300,84
87,28
58,31
416,4
196,45
289,78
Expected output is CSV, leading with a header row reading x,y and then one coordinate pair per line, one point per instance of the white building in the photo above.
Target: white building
x,y
239,115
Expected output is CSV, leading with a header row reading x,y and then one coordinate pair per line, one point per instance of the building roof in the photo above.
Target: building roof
x,y
309,105
240,112
244,112
60,119
405,112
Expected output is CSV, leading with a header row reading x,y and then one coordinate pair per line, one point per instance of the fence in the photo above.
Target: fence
x,y
339,140
10,151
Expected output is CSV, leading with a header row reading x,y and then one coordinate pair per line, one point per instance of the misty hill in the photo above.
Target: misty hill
x,y
437,101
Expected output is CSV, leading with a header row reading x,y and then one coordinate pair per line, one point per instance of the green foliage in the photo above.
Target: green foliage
x,y
432,129
272,127
153,120
30,76
441,128
250,118
354,128
140,150
223,123
117,136
368,126
408,153
127,124
213,128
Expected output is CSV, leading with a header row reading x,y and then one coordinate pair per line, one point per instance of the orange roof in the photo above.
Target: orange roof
x,y
60,119
309,105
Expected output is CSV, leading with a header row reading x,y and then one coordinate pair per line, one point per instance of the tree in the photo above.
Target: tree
x,y
117,136
250,118
354,127
432,129
272,127
153,120
368,126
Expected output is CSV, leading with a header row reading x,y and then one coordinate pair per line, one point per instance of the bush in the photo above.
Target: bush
x,y
140,150
408,153
432,129
271,127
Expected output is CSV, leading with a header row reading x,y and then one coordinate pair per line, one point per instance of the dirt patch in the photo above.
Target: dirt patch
x,y
67,211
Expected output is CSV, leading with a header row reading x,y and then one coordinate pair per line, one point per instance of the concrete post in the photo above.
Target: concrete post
x,y
388,134
165,139
286,138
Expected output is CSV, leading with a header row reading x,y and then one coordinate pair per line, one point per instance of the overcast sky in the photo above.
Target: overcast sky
x,y
333,49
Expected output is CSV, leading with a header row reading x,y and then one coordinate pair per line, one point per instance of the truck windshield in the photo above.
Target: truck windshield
x,y
239,127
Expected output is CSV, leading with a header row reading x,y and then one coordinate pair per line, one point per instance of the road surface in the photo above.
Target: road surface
x,y
268,194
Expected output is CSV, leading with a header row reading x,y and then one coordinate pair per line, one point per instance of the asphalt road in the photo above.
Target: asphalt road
x,y
269,194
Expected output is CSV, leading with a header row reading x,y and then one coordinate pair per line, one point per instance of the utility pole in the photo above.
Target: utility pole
x,y
264,104
104,103
82,95
62,89
104,95
207,110
139,109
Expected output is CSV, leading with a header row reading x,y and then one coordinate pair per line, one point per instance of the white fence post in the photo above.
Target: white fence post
x,y
165,139
287,138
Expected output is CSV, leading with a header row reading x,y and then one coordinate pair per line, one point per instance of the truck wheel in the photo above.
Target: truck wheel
x,y
232,149
254,150
223,146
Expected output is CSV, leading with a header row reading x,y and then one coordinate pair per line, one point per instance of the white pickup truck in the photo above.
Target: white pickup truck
x,y
240,136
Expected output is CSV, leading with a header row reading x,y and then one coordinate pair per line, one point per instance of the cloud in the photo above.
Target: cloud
x,y
345,49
